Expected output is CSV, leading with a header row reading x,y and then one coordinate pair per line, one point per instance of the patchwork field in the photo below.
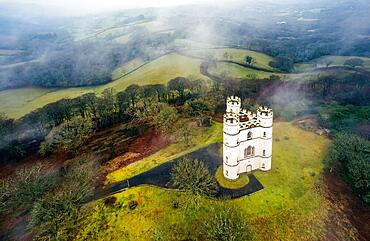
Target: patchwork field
x,y
234,71
237,55
159,71
290,207
330,61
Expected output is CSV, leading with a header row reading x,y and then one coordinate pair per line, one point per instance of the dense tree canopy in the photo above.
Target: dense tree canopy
x,y
70,135
351,155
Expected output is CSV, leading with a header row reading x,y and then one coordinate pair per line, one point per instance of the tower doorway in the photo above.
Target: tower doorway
x,y
249,168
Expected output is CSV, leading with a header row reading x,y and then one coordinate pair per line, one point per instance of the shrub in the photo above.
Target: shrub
x,y
226,224
193,176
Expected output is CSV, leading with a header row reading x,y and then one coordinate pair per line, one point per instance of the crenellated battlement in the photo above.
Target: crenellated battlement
x,y
231,118
233,100
265,111
250,124
246,119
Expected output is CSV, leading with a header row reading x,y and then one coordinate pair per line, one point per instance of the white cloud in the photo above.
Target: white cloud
x,y
93,6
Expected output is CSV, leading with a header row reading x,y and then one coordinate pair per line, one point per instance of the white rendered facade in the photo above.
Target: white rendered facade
x,y
247,139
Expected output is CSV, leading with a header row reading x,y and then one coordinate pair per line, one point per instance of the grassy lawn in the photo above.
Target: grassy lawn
x,y
238,72
290,207
16,103
333,60
235,184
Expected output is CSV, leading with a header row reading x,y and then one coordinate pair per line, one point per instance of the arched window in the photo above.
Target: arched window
x,y
264,134
264,152
249,136
249,151
263,165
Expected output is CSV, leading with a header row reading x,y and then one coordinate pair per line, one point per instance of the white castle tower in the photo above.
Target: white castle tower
x,y
247,139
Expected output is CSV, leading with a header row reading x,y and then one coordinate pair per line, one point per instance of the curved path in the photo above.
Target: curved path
x,y
160,176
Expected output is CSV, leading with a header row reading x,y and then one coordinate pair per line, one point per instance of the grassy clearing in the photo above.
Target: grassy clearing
x,y
123,39
192,45
204,136
127,67
239,183
18,102
331,60
289,208
237,55
235,71
156,26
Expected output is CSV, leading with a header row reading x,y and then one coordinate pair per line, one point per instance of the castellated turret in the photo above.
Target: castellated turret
x,y
233,104
247,139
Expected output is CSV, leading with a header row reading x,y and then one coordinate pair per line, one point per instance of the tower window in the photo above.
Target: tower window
x,y
264,134
264,152
249,151
249,136
227,159
227,173
263,165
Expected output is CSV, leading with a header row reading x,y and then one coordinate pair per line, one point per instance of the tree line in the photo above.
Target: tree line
x,y
90,112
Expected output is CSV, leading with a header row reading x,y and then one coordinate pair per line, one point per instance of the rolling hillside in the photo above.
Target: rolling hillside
x,y
17,102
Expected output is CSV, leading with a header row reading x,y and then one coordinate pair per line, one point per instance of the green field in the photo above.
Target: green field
x,y
237,55
192,45
331,60
234,71
290,207
127,68
16,103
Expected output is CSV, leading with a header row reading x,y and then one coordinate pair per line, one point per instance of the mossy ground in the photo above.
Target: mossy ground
x,y
290,207
231,184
